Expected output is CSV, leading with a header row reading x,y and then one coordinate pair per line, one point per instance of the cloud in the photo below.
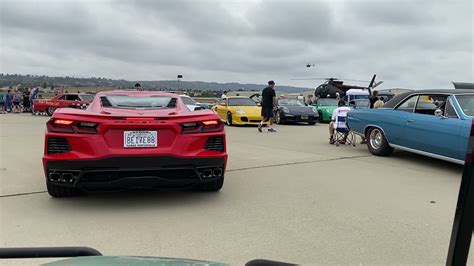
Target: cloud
x,y
416,44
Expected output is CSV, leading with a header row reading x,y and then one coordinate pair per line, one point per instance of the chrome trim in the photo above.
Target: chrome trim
x,y
451,102
406,98
432,155
379,127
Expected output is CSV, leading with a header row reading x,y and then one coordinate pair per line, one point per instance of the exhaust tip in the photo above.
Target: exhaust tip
x,y
67,177
207,173
54,177
217,172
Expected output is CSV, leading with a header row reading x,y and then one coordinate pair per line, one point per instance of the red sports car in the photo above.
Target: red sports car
x,y
73,100
133,139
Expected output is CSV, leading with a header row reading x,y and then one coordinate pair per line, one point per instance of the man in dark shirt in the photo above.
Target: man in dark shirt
x,y
373,98
268,103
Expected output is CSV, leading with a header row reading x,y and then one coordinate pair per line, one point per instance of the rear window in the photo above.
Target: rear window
x,y
188,100
138,102
87,97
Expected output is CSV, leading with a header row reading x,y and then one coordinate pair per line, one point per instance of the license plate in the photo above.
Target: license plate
x,y
304,117
140,139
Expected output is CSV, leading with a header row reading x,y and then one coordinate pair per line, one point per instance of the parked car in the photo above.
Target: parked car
x,y
325,108
190,103
133,139
434,123
72,100
293,110
239,110
205,105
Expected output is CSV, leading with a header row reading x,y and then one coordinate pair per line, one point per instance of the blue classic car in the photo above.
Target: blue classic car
x,y
434,123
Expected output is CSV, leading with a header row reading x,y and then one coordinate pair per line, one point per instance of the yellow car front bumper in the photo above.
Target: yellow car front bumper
x,y
246,119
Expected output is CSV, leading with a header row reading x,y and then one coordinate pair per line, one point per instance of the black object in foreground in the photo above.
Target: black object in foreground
x,y
463,224
47,252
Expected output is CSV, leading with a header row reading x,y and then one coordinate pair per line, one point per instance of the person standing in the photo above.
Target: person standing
x,y
268,103
16,102
33,96
8,105
2,103
373,99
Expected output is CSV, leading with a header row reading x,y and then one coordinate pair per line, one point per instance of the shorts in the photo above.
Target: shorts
x,y
267,112
15,103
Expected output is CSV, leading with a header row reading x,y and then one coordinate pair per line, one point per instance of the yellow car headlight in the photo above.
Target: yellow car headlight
x,y
240,112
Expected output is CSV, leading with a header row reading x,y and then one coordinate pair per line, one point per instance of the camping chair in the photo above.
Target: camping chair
x,y
343,135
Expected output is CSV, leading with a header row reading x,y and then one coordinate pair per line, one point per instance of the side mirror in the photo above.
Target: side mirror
x,y
197,108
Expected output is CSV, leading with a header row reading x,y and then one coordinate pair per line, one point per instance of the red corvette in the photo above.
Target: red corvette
x,y
133,139
74,100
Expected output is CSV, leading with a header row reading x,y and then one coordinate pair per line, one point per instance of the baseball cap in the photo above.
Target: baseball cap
x,y
271,82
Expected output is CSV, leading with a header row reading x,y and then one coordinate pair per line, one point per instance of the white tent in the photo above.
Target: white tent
x,y
357,92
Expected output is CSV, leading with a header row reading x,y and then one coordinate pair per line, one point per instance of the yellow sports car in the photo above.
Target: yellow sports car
x,y
238,110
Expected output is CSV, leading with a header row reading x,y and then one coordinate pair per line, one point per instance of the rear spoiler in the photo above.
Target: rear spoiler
x,y
170,114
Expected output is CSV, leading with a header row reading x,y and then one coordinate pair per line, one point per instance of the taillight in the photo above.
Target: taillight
x,y
202,127
86,128
70,126
191,127
212,126
63,122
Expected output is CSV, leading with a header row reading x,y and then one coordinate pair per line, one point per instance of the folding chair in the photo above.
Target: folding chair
x,y
343,135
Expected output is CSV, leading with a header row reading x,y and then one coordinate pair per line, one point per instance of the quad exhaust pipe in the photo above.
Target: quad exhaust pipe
x,y
62,177
210,172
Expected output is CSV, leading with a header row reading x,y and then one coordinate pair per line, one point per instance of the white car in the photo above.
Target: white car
x,y
190,103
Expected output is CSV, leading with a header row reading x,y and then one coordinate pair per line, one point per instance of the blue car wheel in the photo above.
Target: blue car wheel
x,y
377,143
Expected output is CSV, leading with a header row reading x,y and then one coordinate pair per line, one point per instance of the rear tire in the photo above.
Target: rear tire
x,y
61,192
211,186
229,119
377,143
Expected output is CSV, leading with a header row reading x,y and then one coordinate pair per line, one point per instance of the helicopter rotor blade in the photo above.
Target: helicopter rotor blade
x,y
310,79
377,84
356,80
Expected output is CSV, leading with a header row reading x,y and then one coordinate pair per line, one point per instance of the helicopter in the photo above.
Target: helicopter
x,y
331,86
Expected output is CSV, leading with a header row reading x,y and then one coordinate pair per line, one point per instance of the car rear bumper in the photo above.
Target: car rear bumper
x,y
119,173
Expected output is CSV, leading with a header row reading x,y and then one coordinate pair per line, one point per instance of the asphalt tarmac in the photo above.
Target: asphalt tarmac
x,y
288,196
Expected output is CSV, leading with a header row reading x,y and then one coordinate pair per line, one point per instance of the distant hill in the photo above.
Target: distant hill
x,y
46,81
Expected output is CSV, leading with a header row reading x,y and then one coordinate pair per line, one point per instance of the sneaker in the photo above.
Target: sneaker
x,y
331,141
271,130
259,128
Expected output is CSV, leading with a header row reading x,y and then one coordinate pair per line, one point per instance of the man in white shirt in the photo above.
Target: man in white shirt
x,y
341,110
224,95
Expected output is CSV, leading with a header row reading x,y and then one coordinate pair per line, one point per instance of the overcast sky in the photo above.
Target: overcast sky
x,y
415,44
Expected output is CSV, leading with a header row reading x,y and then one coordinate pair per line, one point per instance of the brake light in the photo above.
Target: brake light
x,y
202,127
210,123
63,122
70,126
212,126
